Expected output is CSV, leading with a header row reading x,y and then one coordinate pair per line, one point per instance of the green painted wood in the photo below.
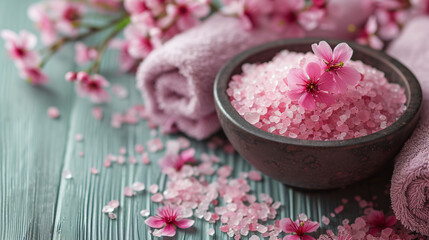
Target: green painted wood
x,y
37,203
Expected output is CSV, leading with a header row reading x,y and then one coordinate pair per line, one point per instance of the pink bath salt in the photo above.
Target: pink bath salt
x,y
129,192
332,214
255,176
344,200
94,171
132,160
119,91
260,94
145,159
153,188
112,216
155,145
107,163
363,204
53,112
339,209
139,148
120,160
78,137
114,203
123,150
157,197
97,113
81,154
325,220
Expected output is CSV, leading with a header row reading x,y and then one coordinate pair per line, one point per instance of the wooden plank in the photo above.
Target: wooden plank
x,y
36,203
31,144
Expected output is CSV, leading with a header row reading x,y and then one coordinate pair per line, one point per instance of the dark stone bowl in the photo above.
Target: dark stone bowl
x,y
317,164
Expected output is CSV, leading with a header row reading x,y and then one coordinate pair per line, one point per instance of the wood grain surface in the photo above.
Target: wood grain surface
x,y
37,203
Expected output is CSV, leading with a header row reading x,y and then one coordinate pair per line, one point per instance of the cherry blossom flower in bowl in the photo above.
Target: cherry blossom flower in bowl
x,y
336,64
313,85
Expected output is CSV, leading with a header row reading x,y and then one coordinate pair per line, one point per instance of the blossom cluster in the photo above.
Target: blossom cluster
x,y
148,24
324,77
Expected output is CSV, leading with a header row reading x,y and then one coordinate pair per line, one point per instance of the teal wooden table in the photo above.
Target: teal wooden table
x,y
37,203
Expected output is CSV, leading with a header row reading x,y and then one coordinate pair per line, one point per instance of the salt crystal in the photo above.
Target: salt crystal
x,y
132,160
123,150
210,231
339,209
119,91
255,176
138,186
94,171
128,192
97,113
145,159
145,213
67,174
251,117
157,197
139,148
53,112
153,188
81,154
325,220
113,203
112,216
78,137
107,209
254,237
155,145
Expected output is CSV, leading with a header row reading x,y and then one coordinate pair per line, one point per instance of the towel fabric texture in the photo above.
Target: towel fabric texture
x,y
410,182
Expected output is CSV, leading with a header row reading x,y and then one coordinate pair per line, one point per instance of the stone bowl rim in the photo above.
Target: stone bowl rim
x,y
414,98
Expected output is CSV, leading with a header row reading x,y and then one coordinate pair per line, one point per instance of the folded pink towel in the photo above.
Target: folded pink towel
x,y
177,79
410,181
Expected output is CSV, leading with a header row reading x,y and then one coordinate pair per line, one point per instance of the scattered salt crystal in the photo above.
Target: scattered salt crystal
x,y
210,231
155,145
255,176
107,209
254,237
97,113
184,142
128,192
120,160
332,214
107,163
139,148
123,150
112,216
339,209
145,213
119,91
132,160
276,205
303,217
363,203
344,200
67,174
53,112
113,203
138,186
325,220
157,197
145,159
78,137
94,171
153,188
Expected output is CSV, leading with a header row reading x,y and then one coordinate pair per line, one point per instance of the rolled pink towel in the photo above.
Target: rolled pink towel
x,y
177,79
410,181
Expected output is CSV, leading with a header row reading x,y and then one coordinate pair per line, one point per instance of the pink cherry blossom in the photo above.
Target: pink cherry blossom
x,y
141,43
368,36
39,13
33,74
291,18
377,221
93,87
310,86
84,54
335,64
69,16
390,22
108,5
20,47
298,229
188,12
167,219
126,61
248,11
